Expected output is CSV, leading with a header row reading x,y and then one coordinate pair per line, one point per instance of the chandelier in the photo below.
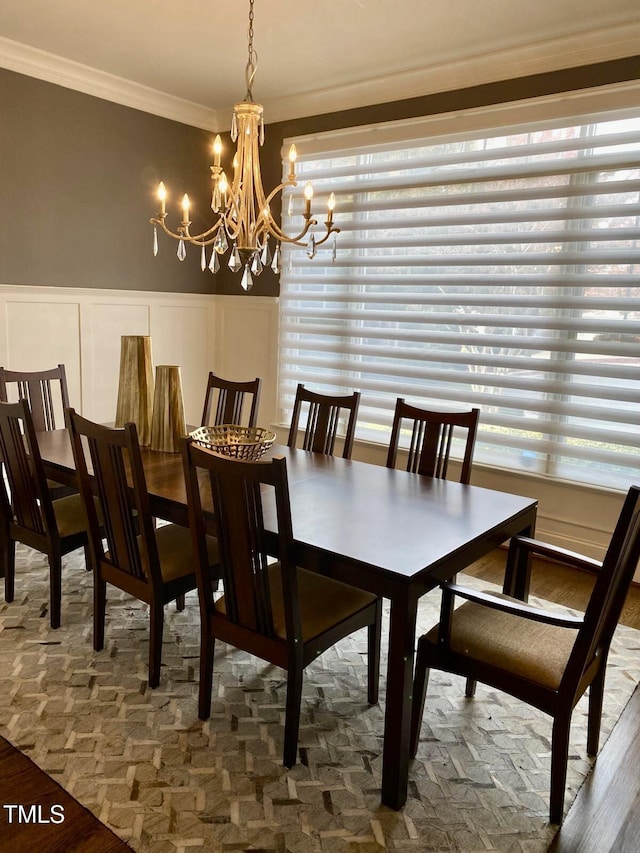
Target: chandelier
x,y
243,220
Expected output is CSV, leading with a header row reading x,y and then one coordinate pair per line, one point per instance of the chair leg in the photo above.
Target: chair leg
x,y
207,650
9,568
596,696
373,655
420,684
292,716
99,612
55,589
180,602
87,558
559,759
470,688
155,643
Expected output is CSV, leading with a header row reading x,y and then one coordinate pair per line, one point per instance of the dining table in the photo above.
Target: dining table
x,y
384,530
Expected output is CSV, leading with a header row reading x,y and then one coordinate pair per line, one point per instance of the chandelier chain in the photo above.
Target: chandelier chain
x,y
252,59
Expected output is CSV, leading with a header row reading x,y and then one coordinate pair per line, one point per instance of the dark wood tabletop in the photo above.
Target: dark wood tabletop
x,y
385,530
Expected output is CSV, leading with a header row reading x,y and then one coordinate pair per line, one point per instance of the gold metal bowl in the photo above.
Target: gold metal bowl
x,y
247,443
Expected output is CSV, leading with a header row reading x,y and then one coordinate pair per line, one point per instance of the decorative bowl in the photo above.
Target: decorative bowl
x,y
247,443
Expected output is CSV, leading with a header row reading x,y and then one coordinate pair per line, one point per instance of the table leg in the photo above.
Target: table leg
x,y
397,723
518,569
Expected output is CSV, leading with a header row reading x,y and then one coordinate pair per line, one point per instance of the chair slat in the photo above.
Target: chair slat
x,y
35,387
431,437
227,400
324,415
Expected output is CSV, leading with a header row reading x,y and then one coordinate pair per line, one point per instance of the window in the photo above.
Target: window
x,y
495,267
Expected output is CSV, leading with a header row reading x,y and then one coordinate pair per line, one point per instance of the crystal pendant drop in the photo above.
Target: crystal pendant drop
x,y
265,255
275,263
155,241
234,128
334,247
203,259
256,264
247,281
311,246
182,250
214,263
220,244
234,260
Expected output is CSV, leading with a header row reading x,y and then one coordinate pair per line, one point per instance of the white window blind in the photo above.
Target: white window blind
x,y
497,269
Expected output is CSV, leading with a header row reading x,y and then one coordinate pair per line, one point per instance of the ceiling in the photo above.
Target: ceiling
x,y
187,61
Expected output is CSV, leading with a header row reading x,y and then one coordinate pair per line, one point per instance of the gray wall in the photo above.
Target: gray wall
x,y
78,177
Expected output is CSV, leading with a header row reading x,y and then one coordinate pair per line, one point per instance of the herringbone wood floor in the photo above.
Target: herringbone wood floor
x,y
585,827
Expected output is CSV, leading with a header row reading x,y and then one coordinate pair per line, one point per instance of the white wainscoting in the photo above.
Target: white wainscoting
x,y
41,327
237,337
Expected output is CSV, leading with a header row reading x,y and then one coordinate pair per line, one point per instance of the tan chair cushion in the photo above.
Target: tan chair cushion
x,y
324,602
175,551
532,650
70,515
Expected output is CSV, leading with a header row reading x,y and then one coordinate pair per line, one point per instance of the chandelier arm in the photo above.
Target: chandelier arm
x,y
274,192
183,232
331,229
232,226
284,238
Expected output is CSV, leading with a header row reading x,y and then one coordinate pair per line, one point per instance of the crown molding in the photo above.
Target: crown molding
x,y
74,75
554,55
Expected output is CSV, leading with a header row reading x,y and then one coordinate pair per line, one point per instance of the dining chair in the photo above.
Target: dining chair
x,y
226,399
323,419
545,658
153,564
28,513
274,610
432,433
37,387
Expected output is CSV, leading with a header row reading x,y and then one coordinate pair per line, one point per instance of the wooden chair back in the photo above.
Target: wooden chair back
x,y
323,419
28,505
238,492
609,592
224,402
118,482
431,437
35,387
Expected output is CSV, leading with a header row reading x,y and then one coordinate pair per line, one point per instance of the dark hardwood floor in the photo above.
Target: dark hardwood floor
x,y
44,804
605,816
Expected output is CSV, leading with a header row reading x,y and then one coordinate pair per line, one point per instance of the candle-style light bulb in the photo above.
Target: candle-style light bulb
x,y
185,208
217,150
223,185
162,197
308,195
293,154
331,203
